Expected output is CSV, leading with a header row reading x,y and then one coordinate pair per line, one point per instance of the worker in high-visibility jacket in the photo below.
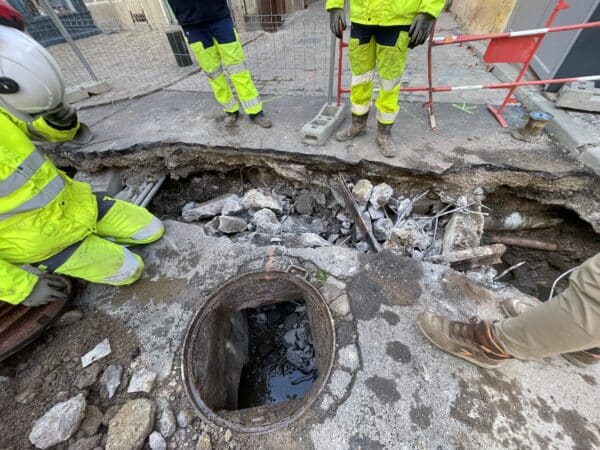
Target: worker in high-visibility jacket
x,y
209,30
47,219
381,32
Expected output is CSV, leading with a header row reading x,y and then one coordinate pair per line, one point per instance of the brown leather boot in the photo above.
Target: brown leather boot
x,y
472,341
384,140
358,128
584,358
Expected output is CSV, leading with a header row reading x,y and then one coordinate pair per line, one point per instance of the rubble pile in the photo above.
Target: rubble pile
x,y
304,218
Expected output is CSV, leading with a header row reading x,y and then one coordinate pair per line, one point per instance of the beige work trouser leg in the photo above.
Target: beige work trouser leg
x,y
570,322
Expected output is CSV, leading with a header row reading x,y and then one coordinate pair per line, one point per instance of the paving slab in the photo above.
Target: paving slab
x,y
399,392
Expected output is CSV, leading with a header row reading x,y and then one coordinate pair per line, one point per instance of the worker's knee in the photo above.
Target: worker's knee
x,y
150,232
130,271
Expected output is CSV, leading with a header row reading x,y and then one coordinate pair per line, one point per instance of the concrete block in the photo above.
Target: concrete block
x,y
591,158
583,96
76,94
98,87
106,180
318,130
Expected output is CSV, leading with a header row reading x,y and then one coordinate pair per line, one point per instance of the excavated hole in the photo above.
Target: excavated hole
x,y
258,351
313,210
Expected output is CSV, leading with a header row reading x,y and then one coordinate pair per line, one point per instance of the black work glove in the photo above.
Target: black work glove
x,y
63,117
337,21
48,288
420,29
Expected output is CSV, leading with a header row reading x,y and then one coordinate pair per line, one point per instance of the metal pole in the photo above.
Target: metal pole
x,y
331,69
65,34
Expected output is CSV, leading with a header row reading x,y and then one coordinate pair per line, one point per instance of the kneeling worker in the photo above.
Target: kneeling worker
x,y
209,30
382,31
47,219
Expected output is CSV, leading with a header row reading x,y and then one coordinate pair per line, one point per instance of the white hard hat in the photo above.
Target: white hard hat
x,y
30,80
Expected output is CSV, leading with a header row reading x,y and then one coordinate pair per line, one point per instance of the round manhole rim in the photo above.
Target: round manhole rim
x,y
194,395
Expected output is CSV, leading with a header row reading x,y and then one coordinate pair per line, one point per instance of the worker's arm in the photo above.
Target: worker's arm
x,y
57,126
331,4
432,7
15,283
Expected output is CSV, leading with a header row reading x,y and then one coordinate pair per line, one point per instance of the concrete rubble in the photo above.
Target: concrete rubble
x,y
111,379
98,352
130,427
141,381
59,423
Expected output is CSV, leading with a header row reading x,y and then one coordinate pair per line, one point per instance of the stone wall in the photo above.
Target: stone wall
x,y
482,16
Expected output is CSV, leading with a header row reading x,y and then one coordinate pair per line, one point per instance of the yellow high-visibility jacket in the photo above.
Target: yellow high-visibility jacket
x,y
388,12
42,210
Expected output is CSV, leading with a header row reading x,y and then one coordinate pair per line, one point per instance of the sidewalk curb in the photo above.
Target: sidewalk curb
x,y
583,145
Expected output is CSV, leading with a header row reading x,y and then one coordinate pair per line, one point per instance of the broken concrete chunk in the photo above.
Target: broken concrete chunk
x,y
312,240
266,221
382,229
204,442
156,441
231,225
90,443
211,228
59,423
109,181
289,338
375,213
142,381
97,87
405,239
332,289
348,357
100,351
294,225
167,424
87,376
362,192
304,204
257,200
232,206
381,195
130,427
111,379
183,418
197,211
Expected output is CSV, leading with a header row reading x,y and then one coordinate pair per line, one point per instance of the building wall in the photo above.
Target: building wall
x,y
114,15
483,16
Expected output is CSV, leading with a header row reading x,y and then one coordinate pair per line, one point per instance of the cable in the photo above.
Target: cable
x,y
558,279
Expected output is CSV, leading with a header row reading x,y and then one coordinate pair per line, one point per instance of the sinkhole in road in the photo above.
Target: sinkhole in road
x,y
258,351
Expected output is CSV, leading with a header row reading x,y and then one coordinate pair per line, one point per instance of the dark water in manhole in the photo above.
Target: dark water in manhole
x,y
281,362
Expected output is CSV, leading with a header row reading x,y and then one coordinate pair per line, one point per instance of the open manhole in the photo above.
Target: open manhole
x,y
259,351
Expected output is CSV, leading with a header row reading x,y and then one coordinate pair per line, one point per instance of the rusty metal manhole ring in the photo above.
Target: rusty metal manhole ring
x,y
203,368
20,325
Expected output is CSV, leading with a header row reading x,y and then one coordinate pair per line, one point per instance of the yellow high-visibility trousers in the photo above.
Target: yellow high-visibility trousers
x,y
386,47
218,50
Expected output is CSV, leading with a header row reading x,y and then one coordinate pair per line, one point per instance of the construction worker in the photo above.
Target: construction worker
x,y
381,32
47,219
569,325
209,30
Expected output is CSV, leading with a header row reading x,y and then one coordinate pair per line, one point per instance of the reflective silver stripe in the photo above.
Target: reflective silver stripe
x,y
230,104
215,73
19,177
388,85
127,270
236,68
41,199
360,109
150,230
250,103
386,117
363,78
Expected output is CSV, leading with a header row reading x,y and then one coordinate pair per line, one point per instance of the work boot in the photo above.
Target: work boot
x,y
358,128
470,341
231,119
384,140
261,120
584,358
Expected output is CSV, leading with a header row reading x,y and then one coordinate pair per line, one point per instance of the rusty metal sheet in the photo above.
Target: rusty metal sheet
x,y
20,325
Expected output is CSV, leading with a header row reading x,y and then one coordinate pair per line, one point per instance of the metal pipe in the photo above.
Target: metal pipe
x,y
140,198
331,69
517,241
65,34
153,192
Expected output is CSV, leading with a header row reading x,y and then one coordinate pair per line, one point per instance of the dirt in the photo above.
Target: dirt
x,y
43,374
